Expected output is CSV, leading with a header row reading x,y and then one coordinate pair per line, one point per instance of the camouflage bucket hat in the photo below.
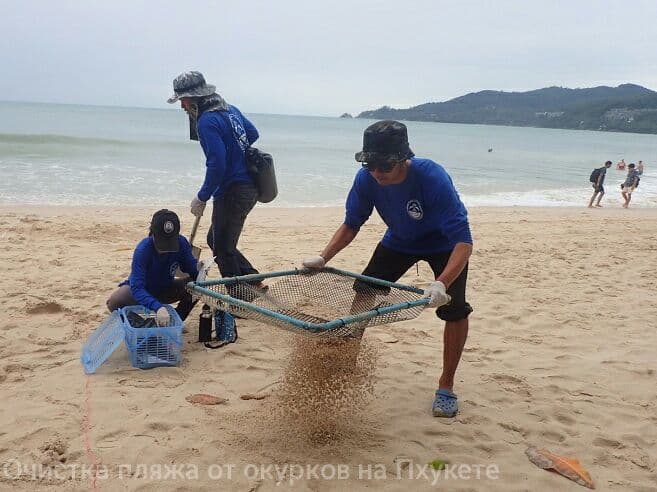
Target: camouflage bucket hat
x,y
190,84
385,141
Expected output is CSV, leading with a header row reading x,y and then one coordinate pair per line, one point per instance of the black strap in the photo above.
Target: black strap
x,y
215,346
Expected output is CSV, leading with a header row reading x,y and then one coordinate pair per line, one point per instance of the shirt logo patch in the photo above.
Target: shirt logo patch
x,y
240,132
173,268
414,209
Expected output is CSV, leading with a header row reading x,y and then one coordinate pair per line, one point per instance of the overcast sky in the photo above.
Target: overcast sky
x,y
319,58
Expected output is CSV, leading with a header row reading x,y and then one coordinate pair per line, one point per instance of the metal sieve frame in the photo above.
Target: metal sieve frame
x,y
200,288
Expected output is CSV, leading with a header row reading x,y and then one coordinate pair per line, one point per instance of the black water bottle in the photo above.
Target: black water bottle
x,y
205,324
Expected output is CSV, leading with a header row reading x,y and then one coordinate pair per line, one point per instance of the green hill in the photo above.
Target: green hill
x,y
627,108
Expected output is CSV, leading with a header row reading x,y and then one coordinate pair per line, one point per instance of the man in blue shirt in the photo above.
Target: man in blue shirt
x,y
426,221
154,264
224,134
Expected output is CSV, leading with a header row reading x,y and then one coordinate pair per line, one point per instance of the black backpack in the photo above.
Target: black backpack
x,y
595,175
260,166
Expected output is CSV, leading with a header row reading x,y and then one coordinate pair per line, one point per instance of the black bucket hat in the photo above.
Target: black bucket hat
x,y
190,84
385,141
165,228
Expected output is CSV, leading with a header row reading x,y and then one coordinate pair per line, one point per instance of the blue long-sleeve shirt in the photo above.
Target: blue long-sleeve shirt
x,y
223,136
153,272
424,213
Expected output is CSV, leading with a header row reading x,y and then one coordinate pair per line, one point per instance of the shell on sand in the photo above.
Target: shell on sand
x,y
203,399
568,467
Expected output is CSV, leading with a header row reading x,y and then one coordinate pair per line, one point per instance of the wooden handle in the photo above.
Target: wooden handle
x,y
194,229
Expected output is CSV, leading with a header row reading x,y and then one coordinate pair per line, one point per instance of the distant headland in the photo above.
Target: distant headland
x,y
626,108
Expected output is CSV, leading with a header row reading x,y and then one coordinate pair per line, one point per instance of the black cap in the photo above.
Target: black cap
x,y
165,228
385,141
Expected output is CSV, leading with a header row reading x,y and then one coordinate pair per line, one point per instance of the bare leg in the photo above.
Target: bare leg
x,y
592,198
627,200
600,198
454,337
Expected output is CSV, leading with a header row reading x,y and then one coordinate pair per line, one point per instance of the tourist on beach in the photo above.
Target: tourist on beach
x,y
620,165
426,221
224,134
154,264
598,188
630,184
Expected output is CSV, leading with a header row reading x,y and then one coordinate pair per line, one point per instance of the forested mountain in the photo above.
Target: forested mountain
x,y
628,108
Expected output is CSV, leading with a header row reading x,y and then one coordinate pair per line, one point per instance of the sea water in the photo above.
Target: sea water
x,y
91,155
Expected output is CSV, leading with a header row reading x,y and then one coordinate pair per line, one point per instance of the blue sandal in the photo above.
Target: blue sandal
x,y
445,404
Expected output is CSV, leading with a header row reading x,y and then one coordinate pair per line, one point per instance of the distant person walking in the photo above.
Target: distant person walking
x,y
630,184
597,181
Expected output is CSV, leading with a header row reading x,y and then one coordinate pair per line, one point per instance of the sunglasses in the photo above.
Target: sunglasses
x,y
384,166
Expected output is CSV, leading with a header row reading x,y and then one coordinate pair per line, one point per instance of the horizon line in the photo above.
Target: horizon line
x,y
150,108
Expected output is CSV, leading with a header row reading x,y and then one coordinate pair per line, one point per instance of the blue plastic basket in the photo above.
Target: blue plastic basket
x,y
153,347
102,342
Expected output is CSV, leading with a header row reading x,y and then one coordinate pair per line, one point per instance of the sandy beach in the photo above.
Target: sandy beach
x,y
560,355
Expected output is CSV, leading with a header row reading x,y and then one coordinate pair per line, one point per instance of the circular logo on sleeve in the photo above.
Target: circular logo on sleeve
x,y
414,209
169,227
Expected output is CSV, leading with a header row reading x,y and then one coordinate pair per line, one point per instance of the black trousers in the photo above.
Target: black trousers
x,y
390,265
176,292
229,213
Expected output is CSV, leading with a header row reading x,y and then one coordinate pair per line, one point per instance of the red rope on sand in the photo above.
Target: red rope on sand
x,y
92,457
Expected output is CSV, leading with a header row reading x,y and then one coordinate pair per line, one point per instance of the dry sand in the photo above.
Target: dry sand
x,y
561,355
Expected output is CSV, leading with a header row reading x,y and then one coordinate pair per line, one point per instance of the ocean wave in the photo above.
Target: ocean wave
x,y
64,140
131,193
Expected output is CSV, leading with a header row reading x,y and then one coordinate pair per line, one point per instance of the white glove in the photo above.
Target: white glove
x,y
163,317
316,262
197,206
203,267
437,294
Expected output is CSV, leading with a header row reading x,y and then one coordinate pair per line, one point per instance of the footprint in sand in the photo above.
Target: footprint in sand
x,y
159,426
46,308
603,442
17,367
553,436
564,418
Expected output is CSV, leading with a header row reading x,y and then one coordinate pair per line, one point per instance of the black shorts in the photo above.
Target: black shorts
x,y
390,265
599,189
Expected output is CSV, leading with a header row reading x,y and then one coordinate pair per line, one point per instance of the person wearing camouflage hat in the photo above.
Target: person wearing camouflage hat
x,y
426,221
224,134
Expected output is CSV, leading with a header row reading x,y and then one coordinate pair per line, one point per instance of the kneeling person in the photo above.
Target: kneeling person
x,y
152,281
